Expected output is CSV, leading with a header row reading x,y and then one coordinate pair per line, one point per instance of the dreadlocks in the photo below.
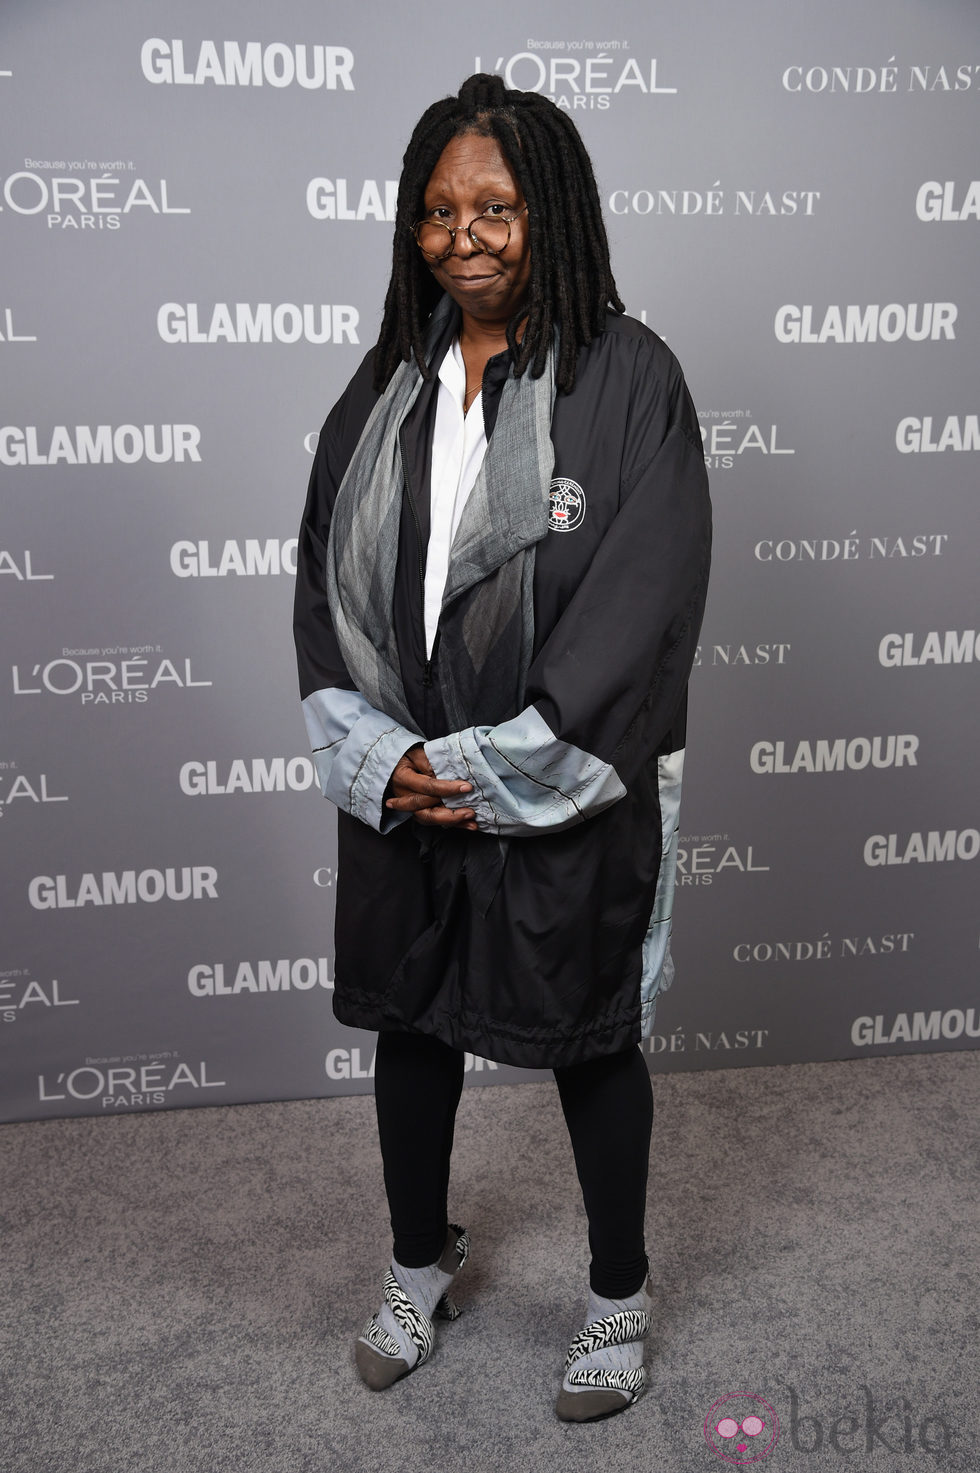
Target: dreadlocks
x,y
571,285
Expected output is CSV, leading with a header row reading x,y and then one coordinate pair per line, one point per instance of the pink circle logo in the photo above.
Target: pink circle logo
x,y
741,1428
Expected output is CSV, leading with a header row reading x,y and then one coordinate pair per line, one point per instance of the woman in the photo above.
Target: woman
x,y
503,564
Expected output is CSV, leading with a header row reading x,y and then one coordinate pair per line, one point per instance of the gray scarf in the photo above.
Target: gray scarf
x,y
486,627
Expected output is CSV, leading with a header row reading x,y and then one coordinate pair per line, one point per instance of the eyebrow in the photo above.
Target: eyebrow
x,y
488,184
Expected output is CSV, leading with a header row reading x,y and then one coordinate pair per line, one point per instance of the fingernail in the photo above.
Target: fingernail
x,y
464,787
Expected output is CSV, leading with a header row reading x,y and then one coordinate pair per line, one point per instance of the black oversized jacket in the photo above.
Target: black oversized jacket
x,y
584,784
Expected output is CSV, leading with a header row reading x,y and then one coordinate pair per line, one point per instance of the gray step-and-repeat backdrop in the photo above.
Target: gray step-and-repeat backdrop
x,y
195,215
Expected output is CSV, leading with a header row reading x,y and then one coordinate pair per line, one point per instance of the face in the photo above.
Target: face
x,y
471,177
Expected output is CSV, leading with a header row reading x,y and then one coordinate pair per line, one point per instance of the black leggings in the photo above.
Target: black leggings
x,y
608,1108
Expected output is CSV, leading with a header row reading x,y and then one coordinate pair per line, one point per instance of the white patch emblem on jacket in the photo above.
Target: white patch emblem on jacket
x,y
567,505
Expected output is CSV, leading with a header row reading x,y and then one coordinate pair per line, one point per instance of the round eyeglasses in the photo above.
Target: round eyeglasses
x,y
490,233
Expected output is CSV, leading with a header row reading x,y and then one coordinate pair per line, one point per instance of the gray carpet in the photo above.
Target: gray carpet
x,y
180,1289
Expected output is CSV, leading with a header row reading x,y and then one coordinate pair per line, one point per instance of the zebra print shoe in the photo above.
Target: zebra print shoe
x,y
398,1339
604,1371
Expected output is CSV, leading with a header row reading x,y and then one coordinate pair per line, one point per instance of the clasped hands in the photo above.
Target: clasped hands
x,y
414,788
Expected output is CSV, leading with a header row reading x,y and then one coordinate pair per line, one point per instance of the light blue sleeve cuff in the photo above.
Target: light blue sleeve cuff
x,y
525,781
658,964
355,751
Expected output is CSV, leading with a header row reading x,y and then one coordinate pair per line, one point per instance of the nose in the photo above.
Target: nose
x,y
463,244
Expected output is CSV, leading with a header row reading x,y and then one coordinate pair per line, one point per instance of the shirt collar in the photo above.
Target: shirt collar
x,y
452,370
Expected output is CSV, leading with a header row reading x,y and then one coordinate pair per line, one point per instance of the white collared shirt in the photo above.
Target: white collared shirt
x,y
459,444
